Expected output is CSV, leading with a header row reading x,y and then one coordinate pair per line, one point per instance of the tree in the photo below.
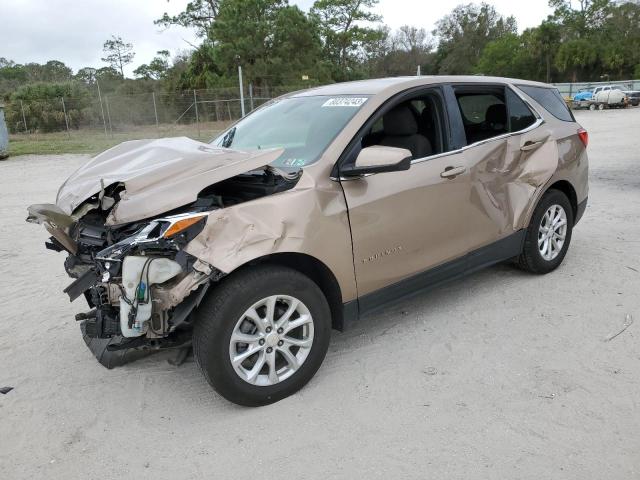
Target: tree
x,y
465,32
52,71
576,54
12,75
621,40
156,69
198,14
86,75
344,31
502,57
401,53
117,53
542,43
273,41
582,40
41,103
580,22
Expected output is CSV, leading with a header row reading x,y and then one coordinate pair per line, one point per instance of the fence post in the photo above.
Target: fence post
x,y
195,102
104,121
241,91
66,120
106,101
251,96
155,109
24,118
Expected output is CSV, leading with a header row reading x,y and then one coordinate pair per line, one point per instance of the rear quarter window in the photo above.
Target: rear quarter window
x,y
551,100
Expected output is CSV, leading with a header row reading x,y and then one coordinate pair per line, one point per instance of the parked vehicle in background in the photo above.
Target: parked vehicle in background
x,y
609,97
312,211
606,88
581,99
634,97
583,95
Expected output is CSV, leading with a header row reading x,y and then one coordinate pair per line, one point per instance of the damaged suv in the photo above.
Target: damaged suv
x,y
310,212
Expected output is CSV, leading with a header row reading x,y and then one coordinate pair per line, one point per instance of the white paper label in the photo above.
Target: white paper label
x,y
344,102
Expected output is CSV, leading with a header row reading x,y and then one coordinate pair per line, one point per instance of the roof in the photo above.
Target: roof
x,y
378,85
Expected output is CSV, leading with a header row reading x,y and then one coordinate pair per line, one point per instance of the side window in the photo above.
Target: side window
x,y
484,112
551,101
520,117
415,124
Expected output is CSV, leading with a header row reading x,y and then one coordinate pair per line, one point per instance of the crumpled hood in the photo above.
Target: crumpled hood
x,y
158,175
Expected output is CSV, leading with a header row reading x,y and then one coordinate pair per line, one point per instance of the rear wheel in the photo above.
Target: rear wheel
x,y
548,235
262,335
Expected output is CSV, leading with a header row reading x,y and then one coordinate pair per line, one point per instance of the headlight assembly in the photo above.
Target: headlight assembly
x,y
170,232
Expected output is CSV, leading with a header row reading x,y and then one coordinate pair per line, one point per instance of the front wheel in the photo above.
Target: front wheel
x,y
262,334
548,234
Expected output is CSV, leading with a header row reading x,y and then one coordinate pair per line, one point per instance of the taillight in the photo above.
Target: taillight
x,y
584,136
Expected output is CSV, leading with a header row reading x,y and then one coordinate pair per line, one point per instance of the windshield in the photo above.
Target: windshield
x,y
303,126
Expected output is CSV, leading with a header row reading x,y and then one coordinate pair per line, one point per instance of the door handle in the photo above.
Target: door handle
x,y
451,172
531,145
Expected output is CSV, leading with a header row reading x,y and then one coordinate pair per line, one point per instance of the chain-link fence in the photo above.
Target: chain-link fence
x,y
91,122
102,120
570,89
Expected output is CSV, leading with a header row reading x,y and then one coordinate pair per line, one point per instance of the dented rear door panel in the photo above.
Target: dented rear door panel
x,y
504,180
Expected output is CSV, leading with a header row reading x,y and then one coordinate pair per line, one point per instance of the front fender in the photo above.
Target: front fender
x,y
307,219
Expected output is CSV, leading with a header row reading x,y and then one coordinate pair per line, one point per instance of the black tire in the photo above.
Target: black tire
x,y
531,259
218,314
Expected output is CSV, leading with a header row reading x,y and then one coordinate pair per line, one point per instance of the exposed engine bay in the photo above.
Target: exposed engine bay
x,y
137,279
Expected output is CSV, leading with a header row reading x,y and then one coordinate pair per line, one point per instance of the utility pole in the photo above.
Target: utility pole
x,y
241,90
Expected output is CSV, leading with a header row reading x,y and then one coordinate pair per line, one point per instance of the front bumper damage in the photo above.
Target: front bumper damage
x,y
127,219
141,290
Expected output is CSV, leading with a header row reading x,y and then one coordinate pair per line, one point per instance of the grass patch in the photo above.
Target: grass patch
x,y
95,141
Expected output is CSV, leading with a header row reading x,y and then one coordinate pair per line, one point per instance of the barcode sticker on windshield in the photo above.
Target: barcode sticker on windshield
x,y
344,102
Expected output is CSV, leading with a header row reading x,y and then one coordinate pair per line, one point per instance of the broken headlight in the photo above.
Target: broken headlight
x,y
167,233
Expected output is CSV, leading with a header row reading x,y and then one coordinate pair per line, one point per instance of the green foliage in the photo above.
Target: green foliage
x,y
345,32
278,45
400,53
274,42
504,57
117,53
465,32
156,69
198,14
42,107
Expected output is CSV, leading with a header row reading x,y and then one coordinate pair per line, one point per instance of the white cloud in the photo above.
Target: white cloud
x,y
73,31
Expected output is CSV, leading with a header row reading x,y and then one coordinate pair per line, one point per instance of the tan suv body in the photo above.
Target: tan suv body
x,y
315,209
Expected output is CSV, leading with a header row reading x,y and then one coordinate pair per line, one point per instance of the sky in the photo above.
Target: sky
x,y
73,31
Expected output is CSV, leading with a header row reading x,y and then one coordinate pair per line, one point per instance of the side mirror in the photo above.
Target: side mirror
x,y
379,159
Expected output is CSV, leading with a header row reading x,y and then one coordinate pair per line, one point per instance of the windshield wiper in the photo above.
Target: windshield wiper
x,y
228,138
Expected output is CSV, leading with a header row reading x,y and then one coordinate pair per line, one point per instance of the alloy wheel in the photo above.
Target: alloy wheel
x,y
552,232
271,340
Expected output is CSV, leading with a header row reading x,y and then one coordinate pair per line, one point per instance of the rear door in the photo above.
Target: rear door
x,y
508,155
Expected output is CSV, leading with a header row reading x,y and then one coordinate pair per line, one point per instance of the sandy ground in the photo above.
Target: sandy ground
x,y
503,375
